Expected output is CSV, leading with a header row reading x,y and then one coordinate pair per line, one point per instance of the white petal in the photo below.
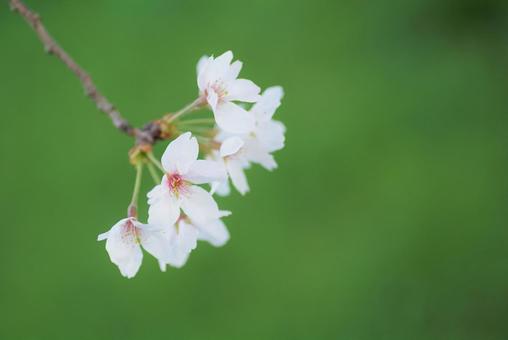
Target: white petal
x,y
156,242
180,153
232,118
268,103
212,99
202,63
187,237
202,171
231,146
103,236
164,212
225,213
162,265
177,258
242,90
204,73
234,71
158,191
237,176
199,205
214,232
271,135
123,249
216,70
221,188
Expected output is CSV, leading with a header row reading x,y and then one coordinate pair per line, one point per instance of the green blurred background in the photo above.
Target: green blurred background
x,y
387,217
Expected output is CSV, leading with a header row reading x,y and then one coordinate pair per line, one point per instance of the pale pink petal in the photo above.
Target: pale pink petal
x,y
156,242
237,176
214,232
220,188
204,73
212,99
216,70
271,135
231,146
187,237
180,154
234,119
164,212
203,171
177,258
123,249
234,71
242,90
268,103
202,63
260,156
199,205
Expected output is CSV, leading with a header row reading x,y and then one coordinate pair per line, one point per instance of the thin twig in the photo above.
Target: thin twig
x,y
91,91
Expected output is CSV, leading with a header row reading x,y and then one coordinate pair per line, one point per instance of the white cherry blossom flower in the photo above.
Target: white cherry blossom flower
x,y
178,189
269,132
185,233
238,151
231,155
219,86
124,241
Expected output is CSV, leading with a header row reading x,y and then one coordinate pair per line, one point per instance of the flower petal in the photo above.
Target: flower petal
x,y
156,242
220,188
237,176
180,154
216,69
164,212
271,135
233,118
177,258
202,64
214,232
242,90
268,103
199,205
204,171
123,249
203,73
234,71
212,99
256,153
231,146
187,237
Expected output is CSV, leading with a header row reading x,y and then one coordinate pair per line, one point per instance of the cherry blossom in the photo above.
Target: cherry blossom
x,y
124,241
179,189
183,237
219,87
238,151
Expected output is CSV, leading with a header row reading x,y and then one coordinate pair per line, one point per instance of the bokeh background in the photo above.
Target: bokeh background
x,y
387,217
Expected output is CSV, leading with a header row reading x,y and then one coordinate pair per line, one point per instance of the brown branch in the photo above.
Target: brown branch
x,y
147,135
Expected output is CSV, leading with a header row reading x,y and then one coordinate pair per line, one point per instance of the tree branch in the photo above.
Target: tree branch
x,y
144,136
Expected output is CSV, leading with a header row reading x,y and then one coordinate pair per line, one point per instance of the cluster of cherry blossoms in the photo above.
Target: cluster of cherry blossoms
x,y
182,211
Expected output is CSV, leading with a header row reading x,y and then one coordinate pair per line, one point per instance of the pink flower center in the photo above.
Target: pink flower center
x,y
130,233
176,183
219,88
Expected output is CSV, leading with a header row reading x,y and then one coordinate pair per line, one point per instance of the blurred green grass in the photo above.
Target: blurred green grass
x,y
385,220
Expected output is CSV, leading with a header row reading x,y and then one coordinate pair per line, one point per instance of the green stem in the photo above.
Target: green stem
x,y
153,173
197,129
154,160
196,121
132,210
137,183
189,108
